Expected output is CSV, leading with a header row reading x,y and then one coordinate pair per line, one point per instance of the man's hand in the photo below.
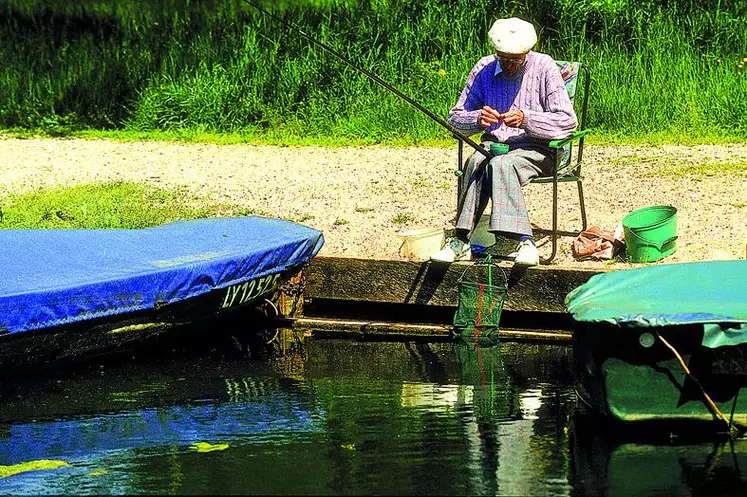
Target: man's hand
x,y
513,118
488,117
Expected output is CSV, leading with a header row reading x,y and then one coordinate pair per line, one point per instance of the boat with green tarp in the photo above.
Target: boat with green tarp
x,y
663,344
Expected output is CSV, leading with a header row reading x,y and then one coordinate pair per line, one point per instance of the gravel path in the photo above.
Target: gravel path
x,y
361,197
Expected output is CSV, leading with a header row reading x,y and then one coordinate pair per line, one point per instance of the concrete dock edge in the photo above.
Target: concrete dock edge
x,y
539,289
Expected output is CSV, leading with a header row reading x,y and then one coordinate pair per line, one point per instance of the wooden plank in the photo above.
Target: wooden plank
x,y
540,288
361,329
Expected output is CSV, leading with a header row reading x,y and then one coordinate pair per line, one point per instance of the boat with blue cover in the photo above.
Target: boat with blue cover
x,y
664,345
70,293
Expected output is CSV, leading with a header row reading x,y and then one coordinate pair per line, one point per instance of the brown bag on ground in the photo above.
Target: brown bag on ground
x,y
597,244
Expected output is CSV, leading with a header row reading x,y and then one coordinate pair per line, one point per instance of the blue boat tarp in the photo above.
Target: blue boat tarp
x,y
57,277
712,293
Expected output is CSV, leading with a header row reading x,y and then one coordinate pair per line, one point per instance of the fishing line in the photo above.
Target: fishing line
x,y
455,132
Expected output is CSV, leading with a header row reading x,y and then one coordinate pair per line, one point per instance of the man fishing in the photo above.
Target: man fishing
x,y
516,97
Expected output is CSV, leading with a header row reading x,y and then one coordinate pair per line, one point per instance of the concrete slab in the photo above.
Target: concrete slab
x,y
539,289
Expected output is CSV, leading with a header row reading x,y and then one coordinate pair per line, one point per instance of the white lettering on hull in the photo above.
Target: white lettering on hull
x,y
249,290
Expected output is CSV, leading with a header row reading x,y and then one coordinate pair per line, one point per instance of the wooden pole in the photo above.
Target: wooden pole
x,y
412,330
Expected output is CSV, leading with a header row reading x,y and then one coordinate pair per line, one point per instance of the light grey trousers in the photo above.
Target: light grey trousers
x,y
501,181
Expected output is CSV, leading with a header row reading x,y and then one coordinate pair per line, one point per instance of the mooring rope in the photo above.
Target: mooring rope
x,y
712,405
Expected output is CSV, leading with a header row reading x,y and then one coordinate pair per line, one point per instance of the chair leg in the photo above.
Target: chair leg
x,y
583,207
554,234
460,176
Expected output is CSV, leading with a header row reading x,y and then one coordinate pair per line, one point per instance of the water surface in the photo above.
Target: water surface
x,y
336,417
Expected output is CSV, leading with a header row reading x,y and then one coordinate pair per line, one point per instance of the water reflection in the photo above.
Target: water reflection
x,y
339,417
493,399
604,464
108,427
509,443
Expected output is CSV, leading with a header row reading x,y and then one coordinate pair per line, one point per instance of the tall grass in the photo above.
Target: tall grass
x,y
220,66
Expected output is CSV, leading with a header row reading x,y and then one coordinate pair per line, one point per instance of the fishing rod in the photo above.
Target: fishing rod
x,y
455,132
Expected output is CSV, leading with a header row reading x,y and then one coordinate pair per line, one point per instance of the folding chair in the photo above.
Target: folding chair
x,y
567,168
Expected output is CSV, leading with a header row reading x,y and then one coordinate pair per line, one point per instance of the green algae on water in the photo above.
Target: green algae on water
x,y
38,465
207,447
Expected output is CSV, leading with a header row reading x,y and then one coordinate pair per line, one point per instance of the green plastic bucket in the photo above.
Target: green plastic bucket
x,y
650,233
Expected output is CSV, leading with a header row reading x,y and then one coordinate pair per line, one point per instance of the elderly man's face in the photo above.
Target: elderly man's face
x,y
511,63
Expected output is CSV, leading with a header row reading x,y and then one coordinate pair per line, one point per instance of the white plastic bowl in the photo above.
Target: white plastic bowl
x,y
420,244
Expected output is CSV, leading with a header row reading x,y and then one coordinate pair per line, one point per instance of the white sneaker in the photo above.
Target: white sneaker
x,y
454,250
527,254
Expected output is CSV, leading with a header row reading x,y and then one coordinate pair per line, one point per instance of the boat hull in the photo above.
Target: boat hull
x,y
629,377
204,321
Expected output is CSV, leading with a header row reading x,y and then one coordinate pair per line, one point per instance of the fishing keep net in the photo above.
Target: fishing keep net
x,y
480,302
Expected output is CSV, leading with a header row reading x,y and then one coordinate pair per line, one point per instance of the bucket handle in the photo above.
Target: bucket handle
x,y
658,245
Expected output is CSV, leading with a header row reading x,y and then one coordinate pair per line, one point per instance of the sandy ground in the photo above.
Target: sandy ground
x,y
361,198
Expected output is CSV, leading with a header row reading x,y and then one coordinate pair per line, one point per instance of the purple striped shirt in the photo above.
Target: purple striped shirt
x,y
537,90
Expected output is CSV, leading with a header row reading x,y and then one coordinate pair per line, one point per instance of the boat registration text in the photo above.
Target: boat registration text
x,y
250,290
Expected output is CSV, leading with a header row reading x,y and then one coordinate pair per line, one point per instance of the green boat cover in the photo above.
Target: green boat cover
x,y
711,293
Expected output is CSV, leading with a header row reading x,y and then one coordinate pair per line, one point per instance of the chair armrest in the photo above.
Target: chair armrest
x,y
575,136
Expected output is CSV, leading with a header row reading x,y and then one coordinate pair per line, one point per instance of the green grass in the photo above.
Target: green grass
x,y
694,167
661,138
662,71
597,138
109,205
736,170
403,218
654,138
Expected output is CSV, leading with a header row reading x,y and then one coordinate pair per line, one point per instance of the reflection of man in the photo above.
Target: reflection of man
x,y
516,97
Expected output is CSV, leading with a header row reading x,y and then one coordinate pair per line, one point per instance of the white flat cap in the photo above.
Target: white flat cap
x,y
512,36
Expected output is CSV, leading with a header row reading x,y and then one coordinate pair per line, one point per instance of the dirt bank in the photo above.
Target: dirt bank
x,y
361,197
